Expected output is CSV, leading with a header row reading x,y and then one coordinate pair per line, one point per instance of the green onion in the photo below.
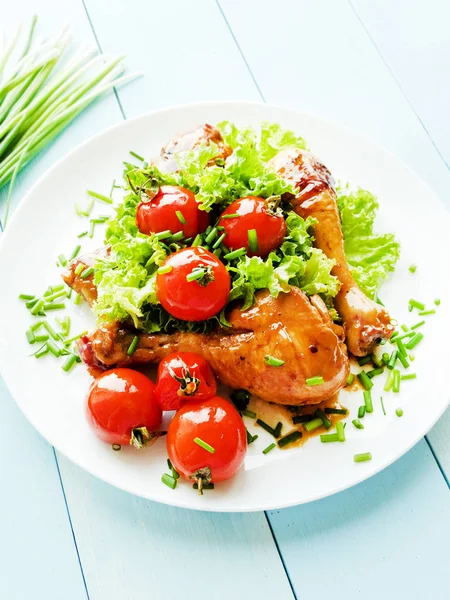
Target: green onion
x,y
250,438
79,268
269,448
26,297
169,481
378,362
232,216
177,237
75,337
277,430
253,240
219,241
328,437
37,308
396,384
414,341
416,304
403,360
69,363
437,301
423,313
91,228
85,274
204,445
132,347
211,235
350,379
62,260
197,240
375,372
413,268
385,356
301,419
419,324
365,381
41,338
55,296
318,380
195,274
401,347
325,420
361,411
53,348
365,456
392,360
36,325
138,156
292,437
235,254
368,401
336,411
82,234
399,412
218,252
30,337
100,197
382,405
75,252
340,431
162,235
249,413
406,335
273,362
313,424
77,299
389,382
364,360
408,376
164,269
357,423
54,306
404,327
42,351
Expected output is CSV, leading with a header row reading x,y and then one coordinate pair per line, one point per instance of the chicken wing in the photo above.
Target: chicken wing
x,y
366,323
292,328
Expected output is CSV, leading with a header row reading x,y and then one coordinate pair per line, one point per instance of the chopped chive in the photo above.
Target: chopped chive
x,y
394,335
100,197
364,360
162,235
91,229
205,486
401,347
392,360
26,297
368,401
313,424
232,216
350,379
55,296
235,254
164,269
365,456
197,240
273,362
374,372
41,338
412,268
414,341
404,336
403,360
399,412
37,308
53,348
277,430
249,413
218,252
169,481
80,267
177,237
328,437
132,347
75,337
318,380
62,260
405,327
408,376
396,384
250,438
269,448
195,274
42,351
138,156
301,419
99,220
82,234
219,241
378,363
77,299
357,423
382,405
416,304
54,306
336,411
361,411
419,324
424,313
69,363
325,420
389,382
437,301
85,274
204,445
365,381
264,425
36,325
180,217
340,431
30,337
211,235
252,240
289,439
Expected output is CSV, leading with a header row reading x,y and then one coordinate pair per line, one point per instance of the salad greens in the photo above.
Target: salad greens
x,y
126,276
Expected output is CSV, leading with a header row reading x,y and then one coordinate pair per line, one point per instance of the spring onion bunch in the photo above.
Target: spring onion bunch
x,y
42,91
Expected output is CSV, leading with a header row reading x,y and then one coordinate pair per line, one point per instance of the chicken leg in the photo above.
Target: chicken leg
x,y
366,323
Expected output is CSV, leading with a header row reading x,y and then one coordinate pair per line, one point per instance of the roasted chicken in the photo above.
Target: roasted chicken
x,y
366,323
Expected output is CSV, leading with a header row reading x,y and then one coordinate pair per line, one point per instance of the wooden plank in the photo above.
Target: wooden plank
x,y
37,555
412,36
385,538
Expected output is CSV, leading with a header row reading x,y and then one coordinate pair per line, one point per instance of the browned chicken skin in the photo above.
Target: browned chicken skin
x,y
366,323
291,327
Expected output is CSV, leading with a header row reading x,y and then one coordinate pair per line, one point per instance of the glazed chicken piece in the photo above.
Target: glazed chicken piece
x,y
189,140
292,327
83,286
366,323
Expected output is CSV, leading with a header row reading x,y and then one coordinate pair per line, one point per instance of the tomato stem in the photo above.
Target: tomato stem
x,y
140,437
189,384
202,477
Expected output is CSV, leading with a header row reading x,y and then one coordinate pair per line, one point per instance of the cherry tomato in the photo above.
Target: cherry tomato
x,y
122,409
181,376
254,214
168,209
196,287
216,422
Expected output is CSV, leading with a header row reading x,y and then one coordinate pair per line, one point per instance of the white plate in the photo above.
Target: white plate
x,y
46,225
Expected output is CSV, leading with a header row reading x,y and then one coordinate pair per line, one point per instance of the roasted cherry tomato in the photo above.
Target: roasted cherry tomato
x,y
181,376
173,208
259,227
122,409
206,440
192,284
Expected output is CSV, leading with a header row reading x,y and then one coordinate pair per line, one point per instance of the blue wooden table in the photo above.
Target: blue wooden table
x,y
379,66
